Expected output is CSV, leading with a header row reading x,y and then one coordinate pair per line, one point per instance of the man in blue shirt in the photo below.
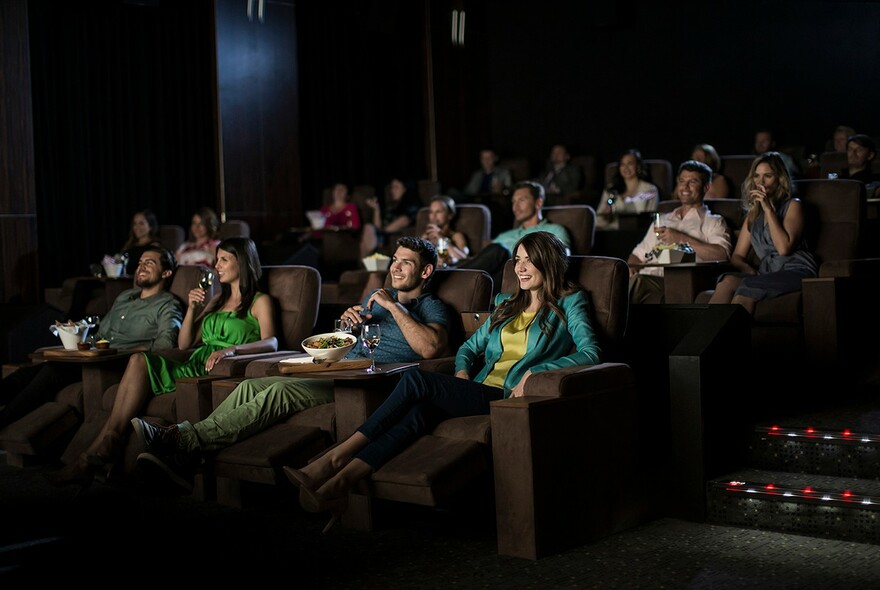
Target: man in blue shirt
x,y
414,326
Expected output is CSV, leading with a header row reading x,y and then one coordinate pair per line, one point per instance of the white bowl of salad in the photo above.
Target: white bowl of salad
x,y
330,346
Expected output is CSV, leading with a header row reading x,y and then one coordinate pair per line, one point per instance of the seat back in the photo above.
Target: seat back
x,y
171,236
590,168
579,220
832,163
462,290
186,278
519,167
296,294
835,210
606,281
471,219
736,169
233,228
661,175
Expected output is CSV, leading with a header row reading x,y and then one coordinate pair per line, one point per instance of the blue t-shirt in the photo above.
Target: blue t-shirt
x,y
393,347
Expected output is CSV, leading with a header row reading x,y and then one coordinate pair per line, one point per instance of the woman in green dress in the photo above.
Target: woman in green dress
x,y
237,321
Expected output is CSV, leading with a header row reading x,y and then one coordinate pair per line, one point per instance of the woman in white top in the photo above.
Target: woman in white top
x,y
630,191
201,248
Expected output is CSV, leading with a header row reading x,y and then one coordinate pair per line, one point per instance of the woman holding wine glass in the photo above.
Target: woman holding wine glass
x,y
544,325
239,320
451,244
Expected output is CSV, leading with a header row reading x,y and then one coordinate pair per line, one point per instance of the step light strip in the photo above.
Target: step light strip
x,y
811,433
765,490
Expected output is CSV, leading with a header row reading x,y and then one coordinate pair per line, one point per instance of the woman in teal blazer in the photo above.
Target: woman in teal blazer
x,y
544,325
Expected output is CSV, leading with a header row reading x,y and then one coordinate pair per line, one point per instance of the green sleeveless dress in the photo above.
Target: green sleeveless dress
x,y
220,329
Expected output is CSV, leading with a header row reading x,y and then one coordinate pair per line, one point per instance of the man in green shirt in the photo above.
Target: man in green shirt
x,y
146,317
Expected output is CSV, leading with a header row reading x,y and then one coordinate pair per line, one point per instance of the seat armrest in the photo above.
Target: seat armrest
x,y
445,365
566,466
194,397
850,268
578,380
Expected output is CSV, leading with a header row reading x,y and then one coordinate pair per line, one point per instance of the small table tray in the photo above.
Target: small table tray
x,y
287,368
63,352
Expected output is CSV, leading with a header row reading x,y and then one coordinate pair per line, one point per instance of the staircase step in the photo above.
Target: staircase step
x,y
824,506
826,450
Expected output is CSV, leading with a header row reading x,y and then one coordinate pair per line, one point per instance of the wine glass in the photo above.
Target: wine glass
x,y
443,251
206,279
92,322
370,335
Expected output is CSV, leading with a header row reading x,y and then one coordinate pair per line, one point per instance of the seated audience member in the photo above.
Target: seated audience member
x,y
202,244
774,230
838,140
489,179
560,176
146,317
143,235
765,141
441,225
340,214
630,191
860,153
705,153
397,214
414,326
691,222
527,201
543,326
237,321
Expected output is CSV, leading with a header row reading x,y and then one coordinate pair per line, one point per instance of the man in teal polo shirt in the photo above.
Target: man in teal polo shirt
x,y
526,202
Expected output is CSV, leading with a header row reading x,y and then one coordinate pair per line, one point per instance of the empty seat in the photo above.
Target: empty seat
x,y
579,220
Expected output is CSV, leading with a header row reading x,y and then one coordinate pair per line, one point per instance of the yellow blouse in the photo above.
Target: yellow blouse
x,y
514,343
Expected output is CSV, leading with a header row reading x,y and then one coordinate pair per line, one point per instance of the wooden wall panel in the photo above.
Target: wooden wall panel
x,y
18,235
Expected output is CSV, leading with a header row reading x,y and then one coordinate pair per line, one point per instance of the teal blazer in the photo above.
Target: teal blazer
x,y
572,345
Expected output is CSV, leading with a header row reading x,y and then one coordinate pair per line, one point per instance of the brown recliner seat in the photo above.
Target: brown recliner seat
x,y
259,459
579,220
805,320
551,453
64,426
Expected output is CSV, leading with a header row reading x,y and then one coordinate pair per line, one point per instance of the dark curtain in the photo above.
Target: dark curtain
x,y
362,93
123,120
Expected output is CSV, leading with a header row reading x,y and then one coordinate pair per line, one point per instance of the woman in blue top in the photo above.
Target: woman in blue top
x,y
238,321
544,325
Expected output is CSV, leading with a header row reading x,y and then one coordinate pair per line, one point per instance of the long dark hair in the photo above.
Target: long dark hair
x,y
550,257
618,184
250,272
152,222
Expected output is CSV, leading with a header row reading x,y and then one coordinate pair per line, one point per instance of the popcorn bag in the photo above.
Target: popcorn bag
x,y
673,253
375,262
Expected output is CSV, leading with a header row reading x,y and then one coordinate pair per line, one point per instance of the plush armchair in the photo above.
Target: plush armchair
x,y
232,228
259,459
579,220
562,458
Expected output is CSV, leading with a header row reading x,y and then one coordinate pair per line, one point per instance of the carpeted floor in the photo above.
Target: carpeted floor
x,y
105,532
